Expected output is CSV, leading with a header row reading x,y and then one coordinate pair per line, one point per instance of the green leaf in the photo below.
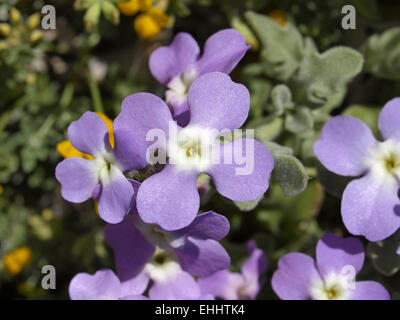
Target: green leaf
x,y
277,149
300,121
266,129
282,47
322,78
367,114
259,91
382,54
383,255
281,99
247,205
290,173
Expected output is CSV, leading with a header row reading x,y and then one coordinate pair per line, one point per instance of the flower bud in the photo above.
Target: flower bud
x,y
129,8
36,35
15,15
110,12
5,29
92,16
33,21
145,26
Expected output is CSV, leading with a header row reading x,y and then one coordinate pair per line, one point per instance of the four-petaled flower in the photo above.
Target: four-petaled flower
x,y
330,277
178,65
370,204
146,252
103,176
170,197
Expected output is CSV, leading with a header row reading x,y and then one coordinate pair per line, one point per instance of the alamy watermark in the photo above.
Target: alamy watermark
x,y
49,278
349,20
49,19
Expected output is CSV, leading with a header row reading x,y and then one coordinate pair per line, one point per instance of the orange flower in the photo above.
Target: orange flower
x,y
151,19
131,7
17,260
150,23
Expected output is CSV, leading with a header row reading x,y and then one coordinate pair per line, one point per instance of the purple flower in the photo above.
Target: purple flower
x,y
331,277
398,250
146,252
370,204
178,64
170,197
103,285
102,177
238,286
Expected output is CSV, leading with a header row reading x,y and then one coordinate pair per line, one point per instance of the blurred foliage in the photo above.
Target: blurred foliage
x,y
300,72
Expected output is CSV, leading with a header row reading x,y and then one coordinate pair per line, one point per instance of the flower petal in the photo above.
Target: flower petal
x,y
116,197
222,284
203,257
181,112
344,144
131,249
222,52
216,102
389,120
88,134
140,113
103,285
208,225
252,269
135,297
369,290
169,198
168,62
135,184
129,151
78,179
134,286
181,286
247,177
294,277
371,209
334,254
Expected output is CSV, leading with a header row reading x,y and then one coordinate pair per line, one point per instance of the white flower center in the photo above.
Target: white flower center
x,y
333,287
105,166
162,266
191,149
179,87
384,161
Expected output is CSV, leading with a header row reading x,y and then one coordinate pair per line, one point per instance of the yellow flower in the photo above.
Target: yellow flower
x,y
33,21
17,260
278,16
132,7
15,15
150,23
5,29
67,150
